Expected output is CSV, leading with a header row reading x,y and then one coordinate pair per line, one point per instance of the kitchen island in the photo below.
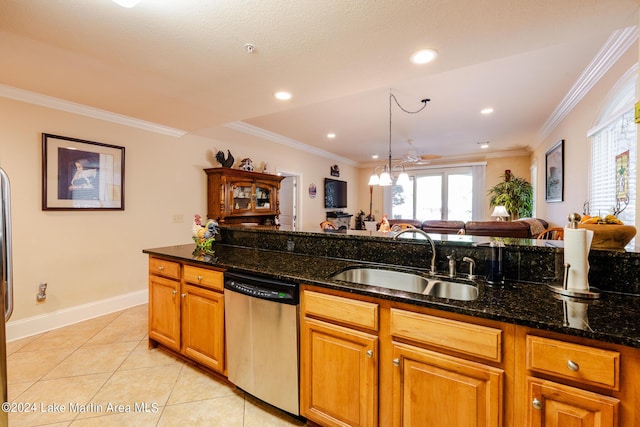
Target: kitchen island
x,y
509,344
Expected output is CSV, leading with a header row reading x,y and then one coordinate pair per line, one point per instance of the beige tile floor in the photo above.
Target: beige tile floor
x,y
101,373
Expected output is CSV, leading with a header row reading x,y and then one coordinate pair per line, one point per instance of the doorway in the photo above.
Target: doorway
x,y
288,197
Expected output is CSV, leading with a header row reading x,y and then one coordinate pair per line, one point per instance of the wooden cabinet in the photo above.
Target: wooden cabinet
x,y
186,311
426,380
434,389
570,384
164,319
556,405
365,362
238,197
338,369
339,376
164,302
203,316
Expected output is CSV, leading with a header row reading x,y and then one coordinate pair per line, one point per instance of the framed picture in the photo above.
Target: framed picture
x,y
79,174
554,173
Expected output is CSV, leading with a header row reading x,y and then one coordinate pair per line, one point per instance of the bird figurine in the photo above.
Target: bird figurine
x,y
204,235
226,163
211,229
197,225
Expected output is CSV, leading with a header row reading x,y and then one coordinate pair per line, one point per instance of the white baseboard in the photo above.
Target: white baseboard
x,y
45,322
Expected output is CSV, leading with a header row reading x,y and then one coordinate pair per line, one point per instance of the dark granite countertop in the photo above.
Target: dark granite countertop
x,y
613,318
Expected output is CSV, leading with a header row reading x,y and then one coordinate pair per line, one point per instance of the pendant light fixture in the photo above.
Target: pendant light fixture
x,y
386,177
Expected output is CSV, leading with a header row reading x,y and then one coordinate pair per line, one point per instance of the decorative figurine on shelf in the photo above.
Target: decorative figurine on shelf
x,y
246,164
226,163
204,235
384,224
360,220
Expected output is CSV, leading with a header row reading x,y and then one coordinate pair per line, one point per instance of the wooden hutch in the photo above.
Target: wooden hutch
x,y
239,197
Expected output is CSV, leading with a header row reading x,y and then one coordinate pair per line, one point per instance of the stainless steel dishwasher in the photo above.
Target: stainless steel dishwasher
x,y
261,328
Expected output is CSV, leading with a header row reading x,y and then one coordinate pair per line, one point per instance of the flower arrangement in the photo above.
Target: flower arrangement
x,y
204,235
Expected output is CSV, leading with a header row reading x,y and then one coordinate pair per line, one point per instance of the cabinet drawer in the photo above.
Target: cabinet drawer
x,y
588,365
467,338
163,267
207,278
344,310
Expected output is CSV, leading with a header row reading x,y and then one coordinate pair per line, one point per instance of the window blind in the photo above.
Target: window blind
x,y
616,138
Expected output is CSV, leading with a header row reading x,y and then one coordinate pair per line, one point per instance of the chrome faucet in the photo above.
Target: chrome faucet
x,y
424,233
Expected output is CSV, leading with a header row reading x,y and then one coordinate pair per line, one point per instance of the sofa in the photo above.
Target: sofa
x,y
523,228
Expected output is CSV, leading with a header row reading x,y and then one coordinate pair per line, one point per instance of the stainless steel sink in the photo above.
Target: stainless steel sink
x,y
408,282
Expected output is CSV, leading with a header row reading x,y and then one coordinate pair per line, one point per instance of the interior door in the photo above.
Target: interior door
x,y
288,203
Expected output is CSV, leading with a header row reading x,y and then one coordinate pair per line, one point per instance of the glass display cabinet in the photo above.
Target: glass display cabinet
x,y
239,197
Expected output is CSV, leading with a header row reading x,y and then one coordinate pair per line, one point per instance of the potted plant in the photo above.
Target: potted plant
x,y
515,194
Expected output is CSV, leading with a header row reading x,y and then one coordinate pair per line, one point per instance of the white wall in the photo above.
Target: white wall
x,y
86,256
573,129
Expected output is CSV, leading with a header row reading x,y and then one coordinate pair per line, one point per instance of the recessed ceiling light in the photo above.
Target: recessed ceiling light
x,y
127,3
331,135
283,96
374,156
487,110
424,56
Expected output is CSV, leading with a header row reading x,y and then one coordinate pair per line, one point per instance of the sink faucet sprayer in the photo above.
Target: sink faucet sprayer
x,y
472,265
424,233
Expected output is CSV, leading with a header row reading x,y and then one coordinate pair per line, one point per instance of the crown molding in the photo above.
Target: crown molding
x,y
617,44
289,142
83,110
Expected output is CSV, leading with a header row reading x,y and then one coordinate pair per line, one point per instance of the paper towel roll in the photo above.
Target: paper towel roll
x,y
577,242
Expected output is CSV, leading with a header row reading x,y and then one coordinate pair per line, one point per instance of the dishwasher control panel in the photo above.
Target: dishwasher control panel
x,y
256,291
263,288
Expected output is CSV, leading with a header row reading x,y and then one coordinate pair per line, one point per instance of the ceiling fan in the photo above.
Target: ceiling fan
x,y
412,158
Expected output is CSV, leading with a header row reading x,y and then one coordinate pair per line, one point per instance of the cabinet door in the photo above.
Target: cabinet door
x,y
241,196
263,197
339,375
555,405
433,389
203,326
164,311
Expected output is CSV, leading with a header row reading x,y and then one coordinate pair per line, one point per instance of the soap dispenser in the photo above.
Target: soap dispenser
x,y
493,263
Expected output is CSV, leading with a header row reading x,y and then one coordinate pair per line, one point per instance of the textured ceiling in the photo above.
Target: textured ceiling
x,y
182,64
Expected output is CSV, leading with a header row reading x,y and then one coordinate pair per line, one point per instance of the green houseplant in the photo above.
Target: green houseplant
x,y
515,194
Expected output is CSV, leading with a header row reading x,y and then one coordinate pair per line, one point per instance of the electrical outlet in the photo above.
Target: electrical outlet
x,y
177,218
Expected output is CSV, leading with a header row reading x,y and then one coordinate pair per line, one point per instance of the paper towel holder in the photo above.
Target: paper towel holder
x,y
561,288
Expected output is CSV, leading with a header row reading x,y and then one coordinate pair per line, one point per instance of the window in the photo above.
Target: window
x,y
613,155
442,193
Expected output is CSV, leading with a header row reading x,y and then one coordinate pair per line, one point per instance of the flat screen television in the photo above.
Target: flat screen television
x,y
335,193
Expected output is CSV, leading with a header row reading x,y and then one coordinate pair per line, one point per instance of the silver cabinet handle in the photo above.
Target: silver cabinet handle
x,y
573,366
183,295
369,354
396,362
536,403
199,278
173,292
161,267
